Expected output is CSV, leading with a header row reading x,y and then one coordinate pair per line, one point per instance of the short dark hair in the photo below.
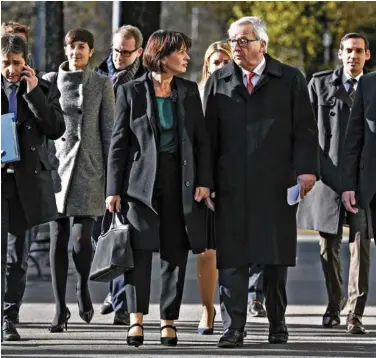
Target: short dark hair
x,y
161,44
354,35
12,27
15,44
79,34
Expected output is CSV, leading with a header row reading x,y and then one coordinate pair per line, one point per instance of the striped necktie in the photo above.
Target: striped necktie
x,y
249,82
351,90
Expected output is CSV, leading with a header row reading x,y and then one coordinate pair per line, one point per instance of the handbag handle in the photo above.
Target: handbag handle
x,y
116,220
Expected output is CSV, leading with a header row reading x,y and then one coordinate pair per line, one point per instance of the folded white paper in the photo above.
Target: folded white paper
x,y
293,195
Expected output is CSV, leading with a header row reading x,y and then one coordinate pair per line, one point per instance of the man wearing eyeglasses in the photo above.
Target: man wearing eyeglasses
x,y
124,62
264,140
122,65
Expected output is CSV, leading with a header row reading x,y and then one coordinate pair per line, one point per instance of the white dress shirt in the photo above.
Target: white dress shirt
x,y
5,85
346,77
257,71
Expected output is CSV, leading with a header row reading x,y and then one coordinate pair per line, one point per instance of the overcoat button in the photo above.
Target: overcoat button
x,y
185,162
32,148
332,113
28,127
63,139
36,172
187,183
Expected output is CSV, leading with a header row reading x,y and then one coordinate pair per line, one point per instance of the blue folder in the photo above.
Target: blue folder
x,y
9,139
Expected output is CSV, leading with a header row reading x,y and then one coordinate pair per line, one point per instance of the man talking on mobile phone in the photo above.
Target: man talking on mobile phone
x,y
27,194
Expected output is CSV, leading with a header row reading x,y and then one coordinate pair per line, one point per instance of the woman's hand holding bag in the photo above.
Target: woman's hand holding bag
x,y
113,255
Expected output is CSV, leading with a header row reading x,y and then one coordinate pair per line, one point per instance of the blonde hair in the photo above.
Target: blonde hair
x,y
129,31
219,46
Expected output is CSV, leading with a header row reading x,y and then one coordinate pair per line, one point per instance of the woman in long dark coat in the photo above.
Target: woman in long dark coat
x,y
159,170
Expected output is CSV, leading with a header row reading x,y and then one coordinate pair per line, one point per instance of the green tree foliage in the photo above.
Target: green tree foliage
x,y
296,28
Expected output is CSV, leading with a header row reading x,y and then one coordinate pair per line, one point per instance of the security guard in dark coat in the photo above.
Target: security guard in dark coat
x,y
27,194
332,94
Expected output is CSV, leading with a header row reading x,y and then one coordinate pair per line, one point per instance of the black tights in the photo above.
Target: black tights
x,y
82,256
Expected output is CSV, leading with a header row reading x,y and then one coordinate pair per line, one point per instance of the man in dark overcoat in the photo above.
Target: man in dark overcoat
x,y
122,65
332,94
27,194
358,169
264,139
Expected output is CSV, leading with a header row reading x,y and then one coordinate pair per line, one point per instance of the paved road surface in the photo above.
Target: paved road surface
x,y
306,294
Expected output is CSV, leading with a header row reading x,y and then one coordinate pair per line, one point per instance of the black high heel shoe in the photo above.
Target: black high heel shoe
x,y
86,315
169,341
135,340
60,327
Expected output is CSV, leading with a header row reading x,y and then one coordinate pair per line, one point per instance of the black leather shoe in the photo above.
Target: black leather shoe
x,y
10,332
232,338
331,317
106,307
278,333
121,318
354,324
256,309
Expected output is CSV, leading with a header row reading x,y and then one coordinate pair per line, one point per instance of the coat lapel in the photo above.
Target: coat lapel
x,y
263,80
150,106
338,90
237,83
181,89
4,102
21,117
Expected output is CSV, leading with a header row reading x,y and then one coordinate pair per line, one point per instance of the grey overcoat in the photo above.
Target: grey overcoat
x,y
80,155
320,209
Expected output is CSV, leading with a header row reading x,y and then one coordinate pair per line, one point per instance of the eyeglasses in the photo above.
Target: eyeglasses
x,y
125,53
242,41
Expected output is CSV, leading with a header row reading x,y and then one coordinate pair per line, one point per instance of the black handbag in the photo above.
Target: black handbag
x,y
113,255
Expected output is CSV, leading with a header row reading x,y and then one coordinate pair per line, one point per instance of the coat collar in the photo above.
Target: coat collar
x,y
273,68
145,82
76,77
20,102
338,90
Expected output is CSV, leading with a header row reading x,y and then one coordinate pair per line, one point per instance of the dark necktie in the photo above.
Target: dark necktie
x,y
13,100
351,91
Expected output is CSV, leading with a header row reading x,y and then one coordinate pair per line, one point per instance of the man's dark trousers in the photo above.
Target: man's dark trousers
x,y
255,284
233,290
14,265
359,245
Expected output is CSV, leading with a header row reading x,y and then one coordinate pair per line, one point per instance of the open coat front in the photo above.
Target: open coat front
x,y
320,209
133,160
39,118
260,144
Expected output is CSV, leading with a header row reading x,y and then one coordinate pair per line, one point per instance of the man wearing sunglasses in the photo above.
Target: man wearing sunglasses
x,y
124,62
264,140
122,65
